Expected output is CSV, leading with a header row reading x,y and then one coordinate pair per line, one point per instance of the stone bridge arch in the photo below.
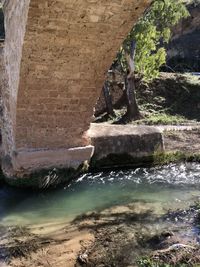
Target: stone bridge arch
x,y
53,66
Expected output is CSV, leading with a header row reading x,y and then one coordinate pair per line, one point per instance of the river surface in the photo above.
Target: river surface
x,y
172,186
125,206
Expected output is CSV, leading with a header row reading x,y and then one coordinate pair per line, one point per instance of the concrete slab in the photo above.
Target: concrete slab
x,y
135,141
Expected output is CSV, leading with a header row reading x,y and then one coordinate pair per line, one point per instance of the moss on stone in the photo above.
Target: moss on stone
x,y
119,160
45,179
126,160
167,157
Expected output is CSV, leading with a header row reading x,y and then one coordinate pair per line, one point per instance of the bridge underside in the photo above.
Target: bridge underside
x,y
53,66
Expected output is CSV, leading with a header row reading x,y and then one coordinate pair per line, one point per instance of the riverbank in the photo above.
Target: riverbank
x,y
186,140
170,99
138,234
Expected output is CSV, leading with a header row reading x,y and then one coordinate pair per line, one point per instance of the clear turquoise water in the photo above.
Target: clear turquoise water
x,y
172,186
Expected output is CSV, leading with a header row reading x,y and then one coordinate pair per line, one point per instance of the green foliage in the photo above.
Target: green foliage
x,y
162,119
151,33
147,262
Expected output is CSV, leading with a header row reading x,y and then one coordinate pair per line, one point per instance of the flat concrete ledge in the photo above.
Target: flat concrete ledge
x,y
128,142
103,130
27,162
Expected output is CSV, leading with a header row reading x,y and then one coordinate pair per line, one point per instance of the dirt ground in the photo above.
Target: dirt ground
x,y
184,141
114,237
32,247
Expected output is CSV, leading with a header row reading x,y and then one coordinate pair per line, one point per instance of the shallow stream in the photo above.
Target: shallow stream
x,y
168,191
172,186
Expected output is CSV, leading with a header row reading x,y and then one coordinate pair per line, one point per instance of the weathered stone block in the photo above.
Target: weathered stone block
x,y
127,142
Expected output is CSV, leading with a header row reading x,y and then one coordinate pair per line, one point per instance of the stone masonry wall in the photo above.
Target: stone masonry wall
x,y
15,14
68,48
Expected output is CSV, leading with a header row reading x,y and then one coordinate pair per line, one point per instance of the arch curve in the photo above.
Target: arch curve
x,y
54,75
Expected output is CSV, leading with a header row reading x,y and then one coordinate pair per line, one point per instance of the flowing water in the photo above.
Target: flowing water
x,y
172,186
166,189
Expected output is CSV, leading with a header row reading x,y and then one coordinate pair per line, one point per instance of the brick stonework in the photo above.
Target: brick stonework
x,y
52,80
15,14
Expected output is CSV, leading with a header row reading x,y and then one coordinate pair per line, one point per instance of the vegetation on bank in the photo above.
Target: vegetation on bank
x,y
169,99
143,52
184,258
162,119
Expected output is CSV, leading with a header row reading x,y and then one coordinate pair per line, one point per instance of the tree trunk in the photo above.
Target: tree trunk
x,y
132,105
108,100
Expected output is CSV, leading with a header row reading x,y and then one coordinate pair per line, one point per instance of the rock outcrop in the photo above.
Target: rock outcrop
x,y
184,49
